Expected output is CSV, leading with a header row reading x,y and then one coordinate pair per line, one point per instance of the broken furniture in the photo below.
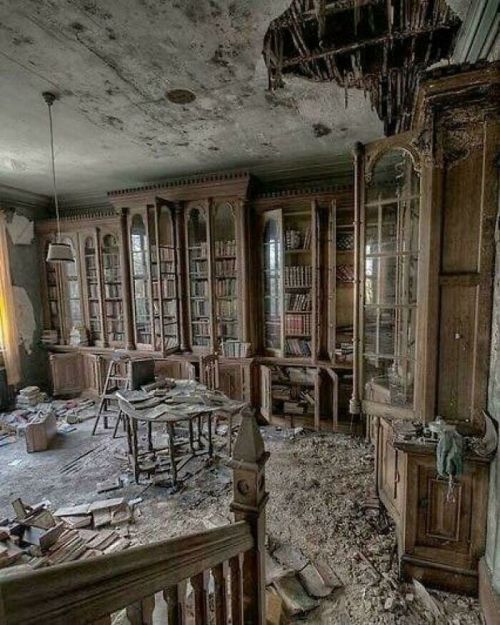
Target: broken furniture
x,y
40,432
189,403
124,373
93,590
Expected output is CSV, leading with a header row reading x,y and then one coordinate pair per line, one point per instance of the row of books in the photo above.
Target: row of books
x,y
235,349
225,248
112,290
226,267
199,289
200,328
225,287
226,308
166,253
297,347
200,308
345,273
298,276
298,239
114,325
170,342
298,324
199,251
298,301
198,267
93,291
167,288
113,310
112,276
227,328
169,308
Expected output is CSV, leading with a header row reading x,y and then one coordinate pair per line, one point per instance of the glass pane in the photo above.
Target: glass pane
x,y
391,269
113,303
198,279
74,305
92,291
272,284
226,273
140,276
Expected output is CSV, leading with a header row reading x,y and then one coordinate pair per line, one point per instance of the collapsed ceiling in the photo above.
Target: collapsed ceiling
x,y
380,46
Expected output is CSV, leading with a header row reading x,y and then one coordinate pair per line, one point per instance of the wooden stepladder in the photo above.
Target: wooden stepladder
x,y
117,378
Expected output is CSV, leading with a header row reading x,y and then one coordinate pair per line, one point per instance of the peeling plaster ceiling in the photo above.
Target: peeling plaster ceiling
x,y
112,61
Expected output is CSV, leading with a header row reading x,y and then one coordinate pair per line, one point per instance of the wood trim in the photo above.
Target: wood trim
x,y
488,597
82,592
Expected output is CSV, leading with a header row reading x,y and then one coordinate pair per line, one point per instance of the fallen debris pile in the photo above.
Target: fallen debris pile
x,y
38,538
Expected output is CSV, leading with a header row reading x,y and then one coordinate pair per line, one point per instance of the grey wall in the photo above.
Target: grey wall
x,y
25,275
493,538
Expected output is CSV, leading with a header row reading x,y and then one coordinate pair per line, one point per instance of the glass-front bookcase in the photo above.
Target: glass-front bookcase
x,y
390,244
225,273
112,290
199,279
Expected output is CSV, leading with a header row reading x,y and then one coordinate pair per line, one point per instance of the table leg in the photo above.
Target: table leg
x,y
200,444
171,446
191,436
135,450
210,444
128,429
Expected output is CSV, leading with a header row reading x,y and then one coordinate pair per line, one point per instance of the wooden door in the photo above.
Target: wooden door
x,y
272,267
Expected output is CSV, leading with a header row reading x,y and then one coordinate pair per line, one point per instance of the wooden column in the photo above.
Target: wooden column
x,y
126,286
358,154
182,291
249,504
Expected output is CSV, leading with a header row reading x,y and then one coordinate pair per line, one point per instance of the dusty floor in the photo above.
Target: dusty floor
x,y
317,483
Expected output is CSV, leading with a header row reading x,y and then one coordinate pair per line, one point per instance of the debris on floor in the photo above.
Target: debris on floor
x,y
37,538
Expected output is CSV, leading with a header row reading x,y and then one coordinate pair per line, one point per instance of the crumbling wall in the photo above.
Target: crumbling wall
x,y
25,274
493,538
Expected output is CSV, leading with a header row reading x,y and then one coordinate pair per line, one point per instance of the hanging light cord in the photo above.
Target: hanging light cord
x,y
56,202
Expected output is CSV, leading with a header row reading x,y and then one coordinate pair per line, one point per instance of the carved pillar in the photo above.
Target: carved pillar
x,y
249,504
181,278
126,284
358,155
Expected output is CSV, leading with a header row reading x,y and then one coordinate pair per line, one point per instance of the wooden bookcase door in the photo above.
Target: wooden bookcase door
x,y
91,286
272,267
112,289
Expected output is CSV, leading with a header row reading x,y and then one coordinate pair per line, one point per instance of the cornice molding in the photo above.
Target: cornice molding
x,y
31,205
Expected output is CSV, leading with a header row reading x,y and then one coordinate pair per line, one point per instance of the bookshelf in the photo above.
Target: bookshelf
x,y
344,287
199,280
53,310
112,290
72,296
93,291
165,297
225,274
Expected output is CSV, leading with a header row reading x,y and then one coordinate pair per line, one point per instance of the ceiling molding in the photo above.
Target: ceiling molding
x,y
31,205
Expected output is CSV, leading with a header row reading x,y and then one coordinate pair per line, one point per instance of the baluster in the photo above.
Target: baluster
x,y
236,590
141,612
176,607
200,587
220,594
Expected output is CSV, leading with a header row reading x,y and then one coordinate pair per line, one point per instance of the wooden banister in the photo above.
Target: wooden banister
x,y
229,559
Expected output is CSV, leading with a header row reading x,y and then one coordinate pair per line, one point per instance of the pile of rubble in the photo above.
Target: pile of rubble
x,y
38,538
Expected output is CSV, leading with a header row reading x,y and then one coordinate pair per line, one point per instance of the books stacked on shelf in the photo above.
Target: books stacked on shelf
x,y
293,239
225,248
199,289
170,309
344,351
49,337
227,328
201,329
226,308
299,325
200,308
298,347
94,311
93,291
199,251
198,267
281,393
168,287
225,287
235,349
345,241
112,291
226,268
345,273
300,375
167,254
298,276
298,302
171,342
113,310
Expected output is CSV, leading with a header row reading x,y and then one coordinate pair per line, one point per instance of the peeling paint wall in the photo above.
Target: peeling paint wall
x,y
25,274
493,537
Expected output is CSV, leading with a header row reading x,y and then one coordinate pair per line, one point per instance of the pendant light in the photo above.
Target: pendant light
x,y
58,252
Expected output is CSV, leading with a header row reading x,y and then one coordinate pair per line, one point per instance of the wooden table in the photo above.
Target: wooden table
x,y
187,402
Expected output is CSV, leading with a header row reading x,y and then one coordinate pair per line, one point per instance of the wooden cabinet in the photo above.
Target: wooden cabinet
x,y
67,373
441,531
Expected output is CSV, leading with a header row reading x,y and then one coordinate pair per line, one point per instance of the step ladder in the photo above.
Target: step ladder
x,y
117,378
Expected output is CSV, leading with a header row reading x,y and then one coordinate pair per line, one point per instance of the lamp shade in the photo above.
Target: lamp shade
x,y
60,253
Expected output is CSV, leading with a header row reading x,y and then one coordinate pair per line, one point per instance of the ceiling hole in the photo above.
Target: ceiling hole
x,y
180,96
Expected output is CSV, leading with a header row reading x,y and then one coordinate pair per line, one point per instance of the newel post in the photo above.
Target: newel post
x,y
249,504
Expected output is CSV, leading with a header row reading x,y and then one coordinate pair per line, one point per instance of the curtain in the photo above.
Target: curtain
x,y
9,337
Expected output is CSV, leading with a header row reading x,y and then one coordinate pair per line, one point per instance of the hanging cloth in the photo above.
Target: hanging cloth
x,y
9,336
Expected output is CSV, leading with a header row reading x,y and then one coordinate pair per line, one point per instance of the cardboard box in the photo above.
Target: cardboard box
x,y
40,433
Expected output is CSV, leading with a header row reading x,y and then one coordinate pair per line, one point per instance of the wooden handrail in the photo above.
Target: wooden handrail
x,y
83,592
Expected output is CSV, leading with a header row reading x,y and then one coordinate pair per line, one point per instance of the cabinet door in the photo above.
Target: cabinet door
x,y
141,280
91,283
114,320
231,381
67,373
331,289
266,397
